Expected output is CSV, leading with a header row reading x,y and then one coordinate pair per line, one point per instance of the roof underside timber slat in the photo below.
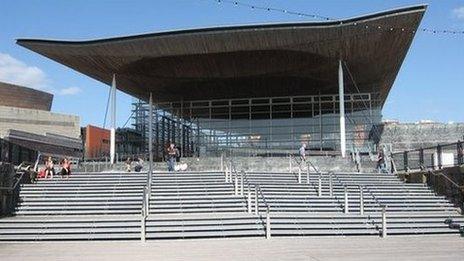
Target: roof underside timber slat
x,y
247,61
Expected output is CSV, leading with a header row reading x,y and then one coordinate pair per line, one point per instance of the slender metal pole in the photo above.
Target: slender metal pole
x,y
235,183
249,200
226,173
290,163
330,185
113,120
268,224
299,175
241,183
319,187
346,201
256,201
230,171
307,175
361,201
150,145
143,228
384,222
222,162
341,94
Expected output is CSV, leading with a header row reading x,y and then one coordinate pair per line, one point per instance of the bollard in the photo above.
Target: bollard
x,y
384,221
268,224
235,184
249,200
346,200
361,201
299,175
319,187
256,201
330,185
307,175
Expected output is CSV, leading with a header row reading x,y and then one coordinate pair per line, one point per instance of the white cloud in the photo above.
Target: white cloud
x,y
17,72
458,12
70,91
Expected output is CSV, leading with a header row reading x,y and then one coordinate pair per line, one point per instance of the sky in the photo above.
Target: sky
x,y
429,85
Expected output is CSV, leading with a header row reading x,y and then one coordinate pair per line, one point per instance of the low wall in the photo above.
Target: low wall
x,y
407,136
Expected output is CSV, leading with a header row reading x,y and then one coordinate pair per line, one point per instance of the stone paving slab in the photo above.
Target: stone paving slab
x,y
325,248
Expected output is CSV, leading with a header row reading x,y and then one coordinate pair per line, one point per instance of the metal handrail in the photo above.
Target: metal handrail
x,y
374,197
15,185
144,213
447,178
308,162
427,148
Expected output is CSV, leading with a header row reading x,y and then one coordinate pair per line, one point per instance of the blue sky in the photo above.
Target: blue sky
x,y
429,85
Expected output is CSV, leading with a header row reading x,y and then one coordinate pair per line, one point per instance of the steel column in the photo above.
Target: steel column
x,y
341,94
113,119
150,144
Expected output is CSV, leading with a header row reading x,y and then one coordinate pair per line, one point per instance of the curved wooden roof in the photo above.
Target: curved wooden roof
x,y
247,61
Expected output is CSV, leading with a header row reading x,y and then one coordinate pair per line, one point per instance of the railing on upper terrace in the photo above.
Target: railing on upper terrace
x,y
436,157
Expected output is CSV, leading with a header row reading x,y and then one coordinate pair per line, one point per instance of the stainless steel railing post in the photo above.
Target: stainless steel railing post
x,y
249,200
256,201
346,201
241,183
299,174
230,171
222,162
330,185
384,221
319,186
307,175
290,163
268,223
361,201
235,183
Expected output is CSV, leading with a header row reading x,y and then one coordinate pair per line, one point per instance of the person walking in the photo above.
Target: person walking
x,y
302,152
380,161
171,155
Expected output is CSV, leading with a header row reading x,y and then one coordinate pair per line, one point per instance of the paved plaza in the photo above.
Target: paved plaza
x,y
315,248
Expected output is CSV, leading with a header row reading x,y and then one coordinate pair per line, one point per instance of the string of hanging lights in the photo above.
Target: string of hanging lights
x,y
326,18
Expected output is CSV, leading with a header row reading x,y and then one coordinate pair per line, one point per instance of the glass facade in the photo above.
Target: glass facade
x,y
261,126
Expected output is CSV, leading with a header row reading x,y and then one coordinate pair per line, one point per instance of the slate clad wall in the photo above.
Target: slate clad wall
x,y
407,136
22,97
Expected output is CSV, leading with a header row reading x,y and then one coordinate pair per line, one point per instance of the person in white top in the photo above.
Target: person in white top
x,y
302,152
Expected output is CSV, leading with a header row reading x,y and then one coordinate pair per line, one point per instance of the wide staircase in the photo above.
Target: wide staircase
x,y
209,204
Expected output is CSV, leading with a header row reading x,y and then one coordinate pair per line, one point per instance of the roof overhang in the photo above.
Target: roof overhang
x,y
265,60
